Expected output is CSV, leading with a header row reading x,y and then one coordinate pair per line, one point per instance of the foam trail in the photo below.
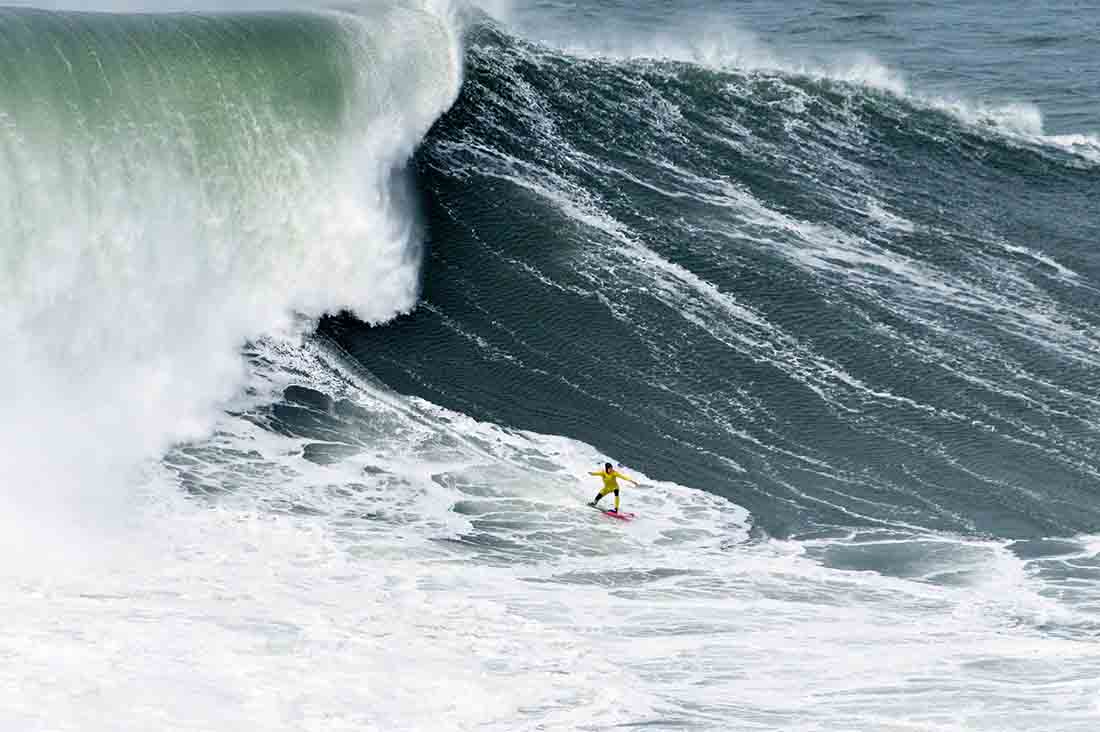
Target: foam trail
x,y
145,236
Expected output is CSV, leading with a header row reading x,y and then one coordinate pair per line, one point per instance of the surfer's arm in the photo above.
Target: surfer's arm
x,y
626,478
596,472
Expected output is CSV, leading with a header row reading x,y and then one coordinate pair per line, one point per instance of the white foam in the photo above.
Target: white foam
x,y
888,219
132,273
460,582
1087,146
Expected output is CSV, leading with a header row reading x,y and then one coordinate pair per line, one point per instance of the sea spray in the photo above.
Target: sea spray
x,y
175,185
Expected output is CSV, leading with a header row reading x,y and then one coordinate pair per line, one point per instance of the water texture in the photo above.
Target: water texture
x,y
315,319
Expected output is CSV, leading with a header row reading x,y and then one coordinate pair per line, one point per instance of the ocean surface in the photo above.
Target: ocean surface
x,y
314,320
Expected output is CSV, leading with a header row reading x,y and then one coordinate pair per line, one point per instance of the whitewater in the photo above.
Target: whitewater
x,y
315,319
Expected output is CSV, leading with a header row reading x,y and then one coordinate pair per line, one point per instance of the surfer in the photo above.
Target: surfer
x,y
610,484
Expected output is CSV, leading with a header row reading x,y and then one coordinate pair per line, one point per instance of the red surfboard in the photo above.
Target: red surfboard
x,y
623,516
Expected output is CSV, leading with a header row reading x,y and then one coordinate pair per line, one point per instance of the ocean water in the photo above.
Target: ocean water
x,y
314,320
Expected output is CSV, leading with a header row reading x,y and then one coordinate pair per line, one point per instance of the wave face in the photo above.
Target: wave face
x,y
843,332
176,184
824,301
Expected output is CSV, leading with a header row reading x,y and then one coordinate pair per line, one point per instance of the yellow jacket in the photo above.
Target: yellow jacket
x,y
610,482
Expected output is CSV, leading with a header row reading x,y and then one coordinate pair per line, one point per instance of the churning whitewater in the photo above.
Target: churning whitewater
x,y
176,184
315,322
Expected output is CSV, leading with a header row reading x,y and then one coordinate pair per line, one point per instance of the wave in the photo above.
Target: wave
x,y
844,340
785,292
714,42
177,184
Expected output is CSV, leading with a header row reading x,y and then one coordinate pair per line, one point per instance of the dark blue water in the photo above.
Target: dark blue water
x,y
828,262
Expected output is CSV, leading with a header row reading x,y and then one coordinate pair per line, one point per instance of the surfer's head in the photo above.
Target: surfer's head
x,y
607,467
